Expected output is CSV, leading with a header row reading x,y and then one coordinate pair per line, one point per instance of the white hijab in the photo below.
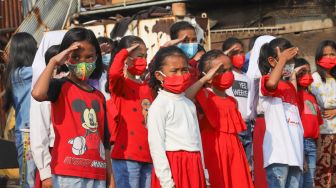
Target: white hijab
x,y
254,74
49,39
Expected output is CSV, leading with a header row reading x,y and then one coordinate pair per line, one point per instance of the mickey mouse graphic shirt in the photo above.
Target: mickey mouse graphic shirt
x,y
78,117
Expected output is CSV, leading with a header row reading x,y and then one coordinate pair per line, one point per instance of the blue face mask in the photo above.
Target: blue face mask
x,y
106,58
190,49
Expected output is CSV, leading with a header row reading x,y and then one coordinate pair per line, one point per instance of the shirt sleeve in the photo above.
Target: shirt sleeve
x,y
54,90
156,138
264,90
116,71
40,136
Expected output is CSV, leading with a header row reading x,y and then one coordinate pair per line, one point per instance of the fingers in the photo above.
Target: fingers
x,y
278,51
133,47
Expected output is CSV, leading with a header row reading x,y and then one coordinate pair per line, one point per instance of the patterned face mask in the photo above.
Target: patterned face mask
x,y
82,70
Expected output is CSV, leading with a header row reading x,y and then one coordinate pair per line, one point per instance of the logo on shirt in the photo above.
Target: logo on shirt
x,y
240,89
309,108
91,139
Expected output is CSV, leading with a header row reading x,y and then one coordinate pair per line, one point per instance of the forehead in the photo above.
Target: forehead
x,y
175,61
328,49
188,32
85,47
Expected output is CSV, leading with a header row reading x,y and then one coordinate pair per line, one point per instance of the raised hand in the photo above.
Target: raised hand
x,y
133,47
287,54
174,42
60,58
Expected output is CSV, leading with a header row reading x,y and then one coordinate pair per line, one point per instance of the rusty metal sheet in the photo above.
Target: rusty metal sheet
x,y
10,16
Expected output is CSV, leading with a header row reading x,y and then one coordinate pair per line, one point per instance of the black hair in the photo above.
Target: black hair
x,y
22,51
124,42
300,62
51,52
102,40
319,54
79,34
159,62
229,42
179,26
252,41
333,72
206,59
269,50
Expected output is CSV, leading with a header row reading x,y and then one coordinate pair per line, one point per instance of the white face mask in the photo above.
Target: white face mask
x,y
288,70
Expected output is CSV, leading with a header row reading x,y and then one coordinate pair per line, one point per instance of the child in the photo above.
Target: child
x,y
283,140
183,34
18,86
41,132
240,91
173,132
311,120
79,158
323,88
131,98
224,155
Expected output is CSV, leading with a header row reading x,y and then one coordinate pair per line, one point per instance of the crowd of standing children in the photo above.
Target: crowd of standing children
x,y
95,113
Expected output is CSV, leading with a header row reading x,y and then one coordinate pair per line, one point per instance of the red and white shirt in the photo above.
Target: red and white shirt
x,y
283,140
78,117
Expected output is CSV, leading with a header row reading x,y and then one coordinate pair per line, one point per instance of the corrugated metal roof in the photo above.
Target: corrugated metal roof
x,y
48,15
10,16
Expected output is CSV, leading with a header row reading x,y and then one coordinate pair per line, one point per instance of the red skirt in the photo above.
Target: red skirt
x,y
234,169
187,170
258,139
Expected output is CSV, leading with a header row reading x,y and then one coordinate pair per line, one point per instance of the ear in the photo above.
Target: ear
x,y
95,105
272,61
158,76
78,105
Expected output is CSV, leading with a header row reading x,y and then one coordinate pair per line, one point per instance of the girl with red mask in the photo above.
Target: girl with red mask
x,y
311,120
127,110
323,88
240,90
173,131
220,123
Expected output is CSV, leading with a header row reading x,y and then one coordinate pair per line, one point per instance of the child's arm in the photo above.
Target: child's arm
x,y
109,177
41,87
276,74
156,123
193,89
116,71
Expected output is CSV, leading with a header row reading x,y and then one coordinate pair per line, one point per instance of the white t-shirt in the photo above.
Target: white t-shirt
x,y
240,91
283,140
172,126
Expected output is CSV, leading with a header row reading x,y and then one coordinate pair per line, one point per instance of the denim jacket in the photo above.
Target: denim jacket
x,y
21,80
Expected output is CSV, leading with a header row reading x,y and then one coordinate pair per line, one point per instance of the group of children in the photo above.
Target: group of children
x,y
184,119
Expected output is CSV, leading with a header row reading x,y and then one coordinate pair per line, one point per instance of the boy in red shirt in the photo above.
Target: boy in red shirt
x,y
311,120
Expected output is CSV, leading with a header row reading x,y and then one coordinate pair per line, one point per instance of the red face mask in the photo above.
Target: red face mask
x,y
238,61
327,62
138,67
176,84
305,80
223,81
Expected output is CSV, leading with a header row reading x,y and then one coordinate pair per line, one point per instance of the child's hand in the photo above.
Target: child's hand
x,y
198,55
60,58
329,114
233,48
133,47
174,42
212,72
105,48
47,183
287,54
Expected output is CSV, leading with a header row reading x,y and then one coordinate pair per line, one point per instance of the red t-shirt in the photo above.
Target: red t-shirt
x,y
310,114
78,117
131,101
